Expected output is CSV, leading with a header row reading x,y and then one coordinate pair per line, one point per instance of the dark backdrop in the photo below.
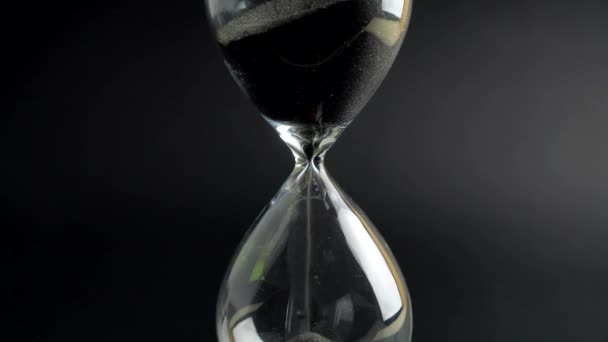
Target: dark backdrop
x,y
132,165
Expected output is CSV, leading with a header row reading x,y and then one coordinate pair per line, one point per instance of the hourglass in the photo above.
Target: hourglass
x,y
312,268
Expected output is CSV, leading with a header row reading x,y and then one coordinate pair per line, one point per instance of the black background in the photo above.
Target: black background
x,y
132,165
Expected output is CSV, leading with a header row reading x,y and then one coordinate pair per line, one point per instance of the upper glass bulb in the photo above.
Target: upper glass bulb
x,y
309,61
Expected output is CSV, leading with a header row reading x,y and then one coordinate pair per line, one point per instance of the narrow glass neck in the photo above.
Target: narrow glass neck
x,y
308,143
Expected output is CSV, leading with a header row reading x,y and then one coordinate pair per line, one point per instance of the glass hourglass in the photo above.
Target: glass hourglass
x,y
312,268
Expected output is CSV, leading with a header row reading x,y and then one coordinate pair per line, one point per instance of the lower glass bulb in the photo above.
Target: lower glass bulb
x,y
313,268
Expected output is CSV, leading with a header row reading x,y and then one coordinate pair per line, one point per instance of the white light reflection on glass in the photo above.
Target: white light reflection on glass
x,y
372,262
368,256
245,331
394,7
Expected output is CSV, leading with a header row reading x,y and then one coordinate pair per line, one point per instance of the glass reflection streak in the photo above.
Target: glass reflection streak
x,y
373,257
